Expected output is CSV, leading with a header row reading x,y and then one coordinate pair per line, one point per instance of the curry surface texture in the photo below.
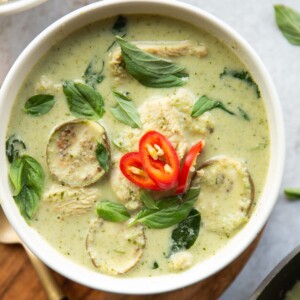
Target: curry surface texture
x,y
237,145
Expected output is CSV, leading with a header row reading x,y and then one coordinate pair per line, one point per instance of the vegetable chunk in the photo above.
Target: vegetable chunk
x,y
71,152
115,248
227,194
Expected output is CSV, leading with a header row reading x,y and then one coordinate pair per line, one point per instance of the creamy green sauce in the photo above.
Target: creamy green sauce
x,y
234,137
294,293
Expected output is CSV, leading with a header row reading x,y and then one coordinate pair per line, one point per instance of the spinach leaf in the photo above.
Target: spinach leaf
x,y
120,26
39,105
244,115
91,76
27,177
186,232
111,211
13,147
150,70
170,211
204,104
125,111
292,193
242,75
288,21
83,101
148,201
103,156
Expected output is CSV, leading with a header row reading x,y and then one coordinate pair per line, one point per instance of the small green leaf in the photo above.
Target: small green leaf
x,y
148,201
288,21
242,75
103,156
292,193
170,211
39,104
155,265
125,111
150,70
244,115
28,178
186,232
91,76
13,146
83,101
204,104
111,211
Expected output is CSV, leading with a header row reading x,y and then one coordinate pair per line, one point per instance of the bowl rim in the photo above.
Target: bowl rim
x,y
200,271
14,7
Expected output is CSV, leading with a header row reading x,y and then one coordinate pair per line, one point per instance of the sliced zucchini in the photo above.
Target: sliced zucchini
x,y
115,248
227,194
71,152
71,201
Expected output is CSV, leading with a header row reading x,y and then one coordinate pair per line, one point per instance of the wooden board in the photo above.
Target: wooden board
x,y
18,280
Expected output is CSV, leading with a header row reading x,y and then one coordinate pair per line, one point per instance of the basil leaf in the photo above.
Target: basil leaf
x,y
27,177
150,70
91,76
39,105
83,101
27,201
148,201
103,156
292,193
120,26
186,232
155,265
13,147
170,211
288,21
125,111
244,114
204,104
111,211
242,75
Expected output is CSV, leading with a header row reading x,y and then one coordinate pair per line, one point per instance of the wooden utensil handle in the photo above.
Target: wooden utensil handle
x,y
52,289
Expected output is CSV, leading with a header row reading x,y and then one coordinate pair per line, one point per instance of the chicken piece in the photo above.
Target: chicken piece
x,y
47,86
123,251
180,261
166,49
227,194
71,201
71,152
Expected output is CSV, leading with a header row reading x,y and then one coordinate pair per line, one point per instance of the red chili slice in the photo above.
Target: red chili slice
x,y
159,159
187,164
132,168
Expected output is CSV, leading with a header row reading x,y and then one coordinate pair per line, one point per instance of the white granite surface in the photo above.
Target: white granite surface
x,y
254,20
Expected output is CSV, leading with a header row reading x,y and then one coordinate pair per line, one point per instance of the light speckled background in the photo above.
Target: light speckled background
x,y
254,20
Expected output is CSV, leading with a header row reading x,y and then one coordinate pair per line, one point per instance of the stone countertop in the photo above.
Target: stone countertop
x,y
254,20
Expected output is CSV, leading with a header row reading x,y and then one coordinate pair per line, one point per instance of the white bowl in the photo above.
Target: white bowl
x,y
16,6
81,17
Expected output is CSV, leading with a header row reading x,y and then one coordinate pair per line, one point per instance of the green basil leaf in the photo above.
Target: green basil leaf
x,y
244,115
186,232
148,201
155,265
39,104
111,211
242,75
120,26
27,177
204,104
83,101
103,156
125,111
288,21
28,202
91,76
170,211
150,70
292,193
13,146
